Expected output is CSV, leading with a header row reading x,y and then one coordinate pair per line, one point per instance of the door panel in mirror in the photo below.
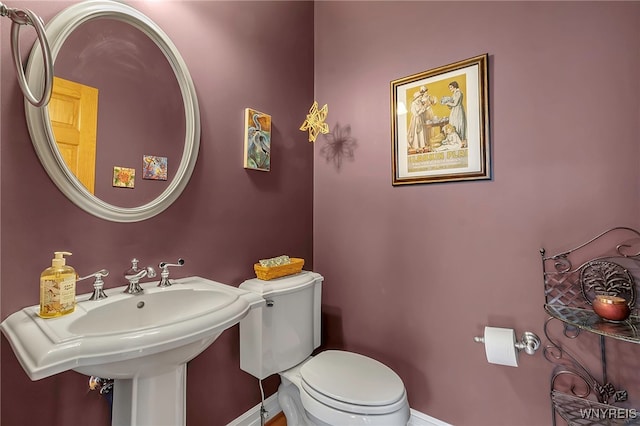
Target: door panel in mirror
x,y
73,110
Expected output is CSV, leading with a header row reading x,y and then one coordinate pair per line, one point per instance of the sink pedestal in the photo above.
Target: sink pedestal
x,y
151,401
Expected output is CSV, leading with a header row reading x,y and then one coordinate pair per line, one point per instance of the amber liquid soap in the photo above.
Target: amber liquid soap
x,y
57,288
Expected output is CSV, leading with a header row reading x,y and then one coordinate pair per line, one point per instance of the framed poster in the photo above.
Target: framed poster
x,y
440,124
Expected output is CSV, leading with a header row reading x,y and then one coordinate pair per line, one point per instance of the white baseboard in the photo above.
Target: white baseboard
x,y
421,419
252,417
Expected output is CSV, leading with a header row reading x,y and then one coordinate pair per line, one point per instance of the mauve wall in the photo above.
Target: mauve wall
x,y
413,273
240,54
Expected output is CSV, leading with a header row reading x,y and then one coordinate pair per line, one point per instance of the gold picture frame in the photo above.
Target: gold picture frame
x,y
440,124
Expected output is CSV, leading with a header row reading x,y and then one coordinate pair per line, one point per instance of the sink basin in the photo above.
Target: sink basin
x,y
142,341
153,309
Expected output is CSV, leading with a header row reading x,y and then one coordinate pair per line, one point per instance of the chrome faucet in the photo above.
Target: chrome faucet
x,y
164,273
135,274
98,284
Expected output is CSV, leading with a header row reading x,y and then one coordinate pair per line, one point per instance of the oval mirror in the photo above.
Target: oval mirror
x,y
39,120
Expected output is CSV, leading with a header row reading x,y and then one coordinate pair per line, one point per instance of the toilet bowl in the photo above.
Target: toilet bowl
x,y
335,388
343,388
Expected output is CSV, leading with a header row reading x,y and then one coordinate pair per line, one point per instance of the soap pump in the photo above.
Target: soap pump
x,y
58,287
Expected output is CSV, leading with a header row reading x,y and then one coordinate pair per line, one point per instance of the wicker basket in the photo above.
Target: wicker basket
x,y
270,272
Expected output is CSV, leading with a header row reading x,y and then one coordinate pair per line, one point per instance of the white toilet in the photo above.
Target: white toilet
x,y
335,388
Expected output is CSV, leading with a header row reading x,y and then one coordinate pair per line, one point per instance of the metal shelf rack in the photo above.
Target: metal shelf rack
x,y
607,264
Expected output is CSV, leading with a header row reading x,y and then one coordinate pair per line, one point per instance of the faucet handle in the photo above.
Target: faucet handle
x,y
98,284
134,265
164,273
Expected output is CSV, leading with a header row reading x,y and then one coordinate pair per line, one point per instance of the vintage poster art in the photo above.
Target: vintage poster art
x,y
440,124
257,140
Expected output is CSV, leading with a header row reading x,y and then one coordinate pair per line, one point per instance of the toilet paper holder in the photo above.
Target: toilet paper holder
x,y
530,342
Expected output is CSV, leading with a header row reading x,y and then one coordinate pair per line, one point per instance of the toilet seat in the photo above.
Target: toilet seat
x,y
353,383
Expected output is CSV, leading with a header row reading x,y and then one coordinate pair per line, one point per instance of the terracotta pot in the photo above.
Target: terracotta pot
x,y
611,308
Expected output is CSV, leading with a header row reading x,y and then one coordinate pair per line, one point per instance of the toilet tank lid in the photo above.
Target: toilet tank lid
x,y
352,378
287,284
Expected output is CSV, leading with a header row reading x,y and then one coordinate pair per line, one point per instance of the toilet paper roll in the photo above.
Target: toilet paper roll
x,y
500,346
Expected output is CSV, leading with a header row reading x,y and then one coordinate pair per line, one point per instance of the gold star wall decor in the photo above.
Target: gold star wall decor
x,y
315,121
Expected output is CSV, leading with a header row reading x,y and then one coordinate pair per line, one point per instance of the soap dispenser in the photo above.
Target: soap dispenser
x,y
58,287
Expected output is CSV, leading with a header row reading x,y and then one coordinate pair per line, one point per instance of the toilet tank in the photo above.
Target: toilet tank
x,y
282,334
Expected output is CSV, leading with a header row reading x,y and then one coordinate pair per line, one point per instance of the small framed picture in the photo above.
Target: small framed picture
x,y
257,140
124,177
154,167
440,124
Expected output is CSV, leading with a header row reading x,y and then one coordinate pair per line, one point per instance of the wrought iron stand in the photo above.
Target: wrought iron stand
x,y
607,264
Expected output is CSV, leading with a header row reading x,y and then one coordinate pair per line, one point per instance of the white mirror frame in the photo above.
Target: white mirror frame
x,y
38,120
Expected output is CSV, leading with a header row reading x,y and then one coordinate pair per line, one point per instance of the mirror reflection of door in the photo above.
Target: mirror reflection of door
x,y
73,111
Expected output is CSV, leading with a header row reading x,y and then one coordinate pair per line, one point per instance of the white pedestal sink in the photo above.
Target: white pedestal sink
x,y
143,342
